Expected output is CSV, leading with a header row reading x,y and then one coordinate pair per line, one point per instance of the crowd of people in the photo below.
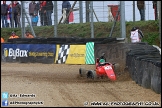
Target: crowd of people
x,y
11,13
10,16
141,7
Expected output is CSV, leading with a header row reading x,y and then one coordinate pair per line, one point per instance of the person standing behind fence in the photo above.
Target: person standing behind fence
x,y
10,13
38,5
136,35
36,11
42,13
32,6
49,11
13,10
4,10
141,8
17,14
35,19
155,9
66,6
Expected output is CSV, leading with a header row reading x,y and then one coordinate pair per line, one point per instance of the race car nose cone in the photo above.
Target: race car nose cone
x,y
112,77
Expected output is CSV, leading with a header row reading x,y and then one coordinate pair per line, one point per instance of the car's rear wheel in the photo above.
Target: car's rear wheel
x,y
92,74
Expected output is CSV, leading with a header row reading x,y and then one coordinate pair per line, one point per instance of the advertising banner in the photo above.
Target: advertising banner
x,y
43,53
62,53
90,59
9,52
70,54
76,54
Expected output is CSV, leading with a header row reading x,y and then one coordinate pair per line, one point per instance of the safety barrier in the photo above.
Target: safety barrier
x,y
143,61
144,66
51,50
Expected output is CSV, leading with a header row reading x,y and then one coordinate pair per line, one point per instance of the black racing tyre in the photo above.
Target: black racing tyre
x,y
92,74
146,77
156,79
82,72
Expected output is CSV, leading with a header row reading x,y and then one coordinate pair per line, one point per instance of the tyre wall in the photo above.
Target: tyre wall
x,y
144,65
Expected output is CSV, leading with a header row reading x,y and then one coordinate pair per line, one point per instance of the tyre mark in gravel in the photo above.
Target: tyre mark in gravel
x,y
65,93
111,92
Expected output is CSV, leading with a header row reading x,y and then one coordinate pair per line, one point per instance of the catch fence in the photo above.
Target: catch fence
x,y
103,11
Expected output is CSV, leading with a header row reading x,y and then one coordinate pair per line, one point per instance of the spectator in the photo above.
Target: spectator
x,y
141,8
10,13
66,6
32,6
136,35
4,9
2,40
8,20
38,6
13,35
37,11
17,13
42,12
28,35
14,23
35,20
49,11
155,9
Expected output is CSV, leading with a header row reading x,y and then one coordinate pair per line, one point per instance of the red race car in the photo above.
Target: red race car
x,y
103,69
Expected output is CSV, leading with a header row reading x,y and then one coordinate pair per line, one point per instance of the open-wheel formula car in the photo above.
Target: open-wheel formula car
x,y
103,69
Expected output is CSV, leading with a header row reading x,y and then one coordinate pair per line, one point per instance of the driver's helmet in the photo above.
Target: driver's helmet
x,y
102,60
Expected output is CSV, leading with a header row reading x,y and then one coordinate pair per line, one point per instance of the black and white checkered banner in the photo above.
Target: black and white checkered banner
x,y
63,54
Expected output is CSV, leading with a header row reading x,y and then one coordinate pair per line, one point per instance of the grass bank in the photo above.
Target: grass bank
x,y
101,29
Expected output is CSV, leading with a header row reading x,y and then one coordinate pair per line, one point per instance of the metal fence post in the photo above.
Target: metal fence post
x,y
92,27
22,19
55,18
122,19
81,11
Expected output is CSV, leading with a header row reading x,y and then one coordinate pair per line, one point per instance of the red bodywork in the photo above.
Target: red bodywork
x,y
106,69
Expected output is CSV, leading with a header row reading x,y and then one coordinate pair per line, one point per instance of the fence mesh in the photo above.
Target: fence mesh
x,y
101,11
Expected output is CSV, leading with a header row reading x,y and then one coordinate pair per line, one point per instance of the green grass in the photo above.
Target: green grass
x,y
101,29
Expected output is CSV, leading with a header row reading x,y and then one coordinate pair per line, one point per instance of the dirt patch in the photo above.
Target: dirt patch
x,y
59,85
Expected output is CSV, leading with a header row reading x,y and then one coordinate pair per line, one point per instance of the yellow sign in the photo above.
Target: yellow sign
x,y
76,54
